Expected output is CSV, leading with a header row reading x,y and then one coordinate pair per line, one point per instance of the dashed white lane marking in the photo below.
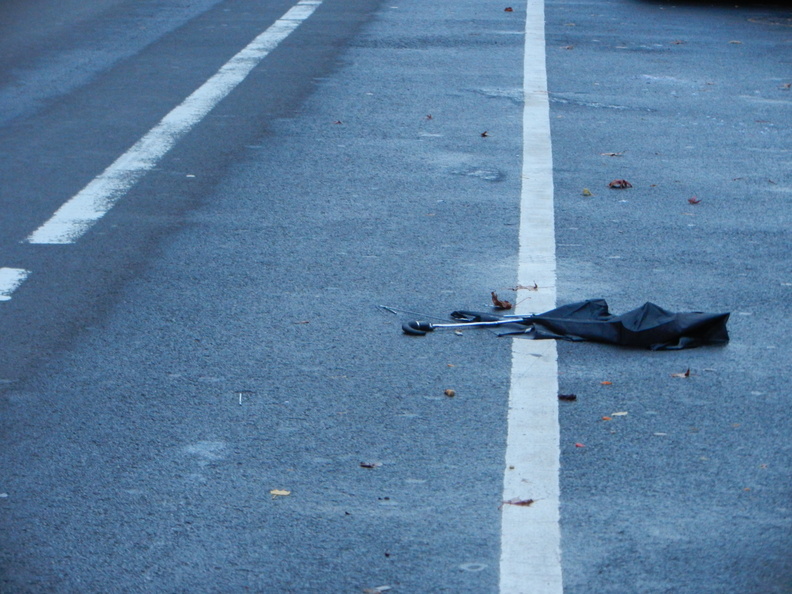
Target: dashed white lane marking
x,y
89,205
10,279
530,534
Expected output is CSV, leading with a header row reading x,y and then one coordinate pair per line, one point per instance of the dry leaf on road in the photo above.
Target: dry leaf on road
x,y
619,184
498,303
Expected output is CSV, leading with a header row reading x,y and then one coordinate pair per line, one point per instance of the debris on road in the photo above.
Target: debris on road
x,y
279,493
498,304
649,326
685,374
449,392
619,184
519,502
567,397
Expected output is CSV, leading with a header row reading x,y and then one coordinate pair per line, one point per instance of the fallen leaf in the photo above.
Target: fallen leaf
x,y
567,397
579,445
535,287
520,502
619,184
694,200
586,192
370,464
449,392
508,9
607,419
606,383
279,493
484,134
621,413
686,374
498,303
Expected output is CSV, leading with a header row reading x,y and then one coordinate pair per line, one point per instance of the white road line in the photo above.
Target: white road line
x,y
89,205
530,535
10,279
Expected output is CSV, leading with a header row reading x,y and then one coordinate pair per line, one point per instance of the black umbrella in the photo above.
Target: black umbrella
x,y
648,326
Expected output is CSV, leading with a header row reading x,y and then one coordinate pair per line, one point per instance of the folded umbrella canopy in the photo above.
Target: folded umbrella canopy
x,y
648,326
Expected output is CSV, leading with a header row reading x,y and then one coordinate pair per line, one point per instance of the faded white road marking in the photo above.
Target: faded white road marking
x,y
10,279
530,535
89,205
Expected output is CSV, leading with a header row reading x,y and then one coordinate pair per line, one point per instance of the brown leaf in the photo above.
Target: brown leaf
x,y
619,184
606,383
508,9
694,200
449,392
520,502
498,303
686,374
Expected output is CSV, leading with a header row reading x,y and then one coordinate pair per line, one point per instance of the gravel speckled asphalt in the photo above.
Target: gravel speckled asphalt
x,y
216,337
690,491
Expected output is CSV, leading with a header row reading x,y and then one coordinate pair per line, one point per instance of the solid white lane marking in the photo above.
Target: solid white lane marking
x,y
530,535
10,279
89,205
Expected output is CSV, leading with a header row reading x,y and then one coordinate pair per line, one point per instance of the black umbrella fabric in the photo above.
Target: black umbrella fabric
x,y
648,326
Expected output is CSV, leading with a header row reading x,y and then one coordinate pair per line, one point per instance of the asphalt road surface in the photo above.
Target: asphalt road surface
x,y
198,392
